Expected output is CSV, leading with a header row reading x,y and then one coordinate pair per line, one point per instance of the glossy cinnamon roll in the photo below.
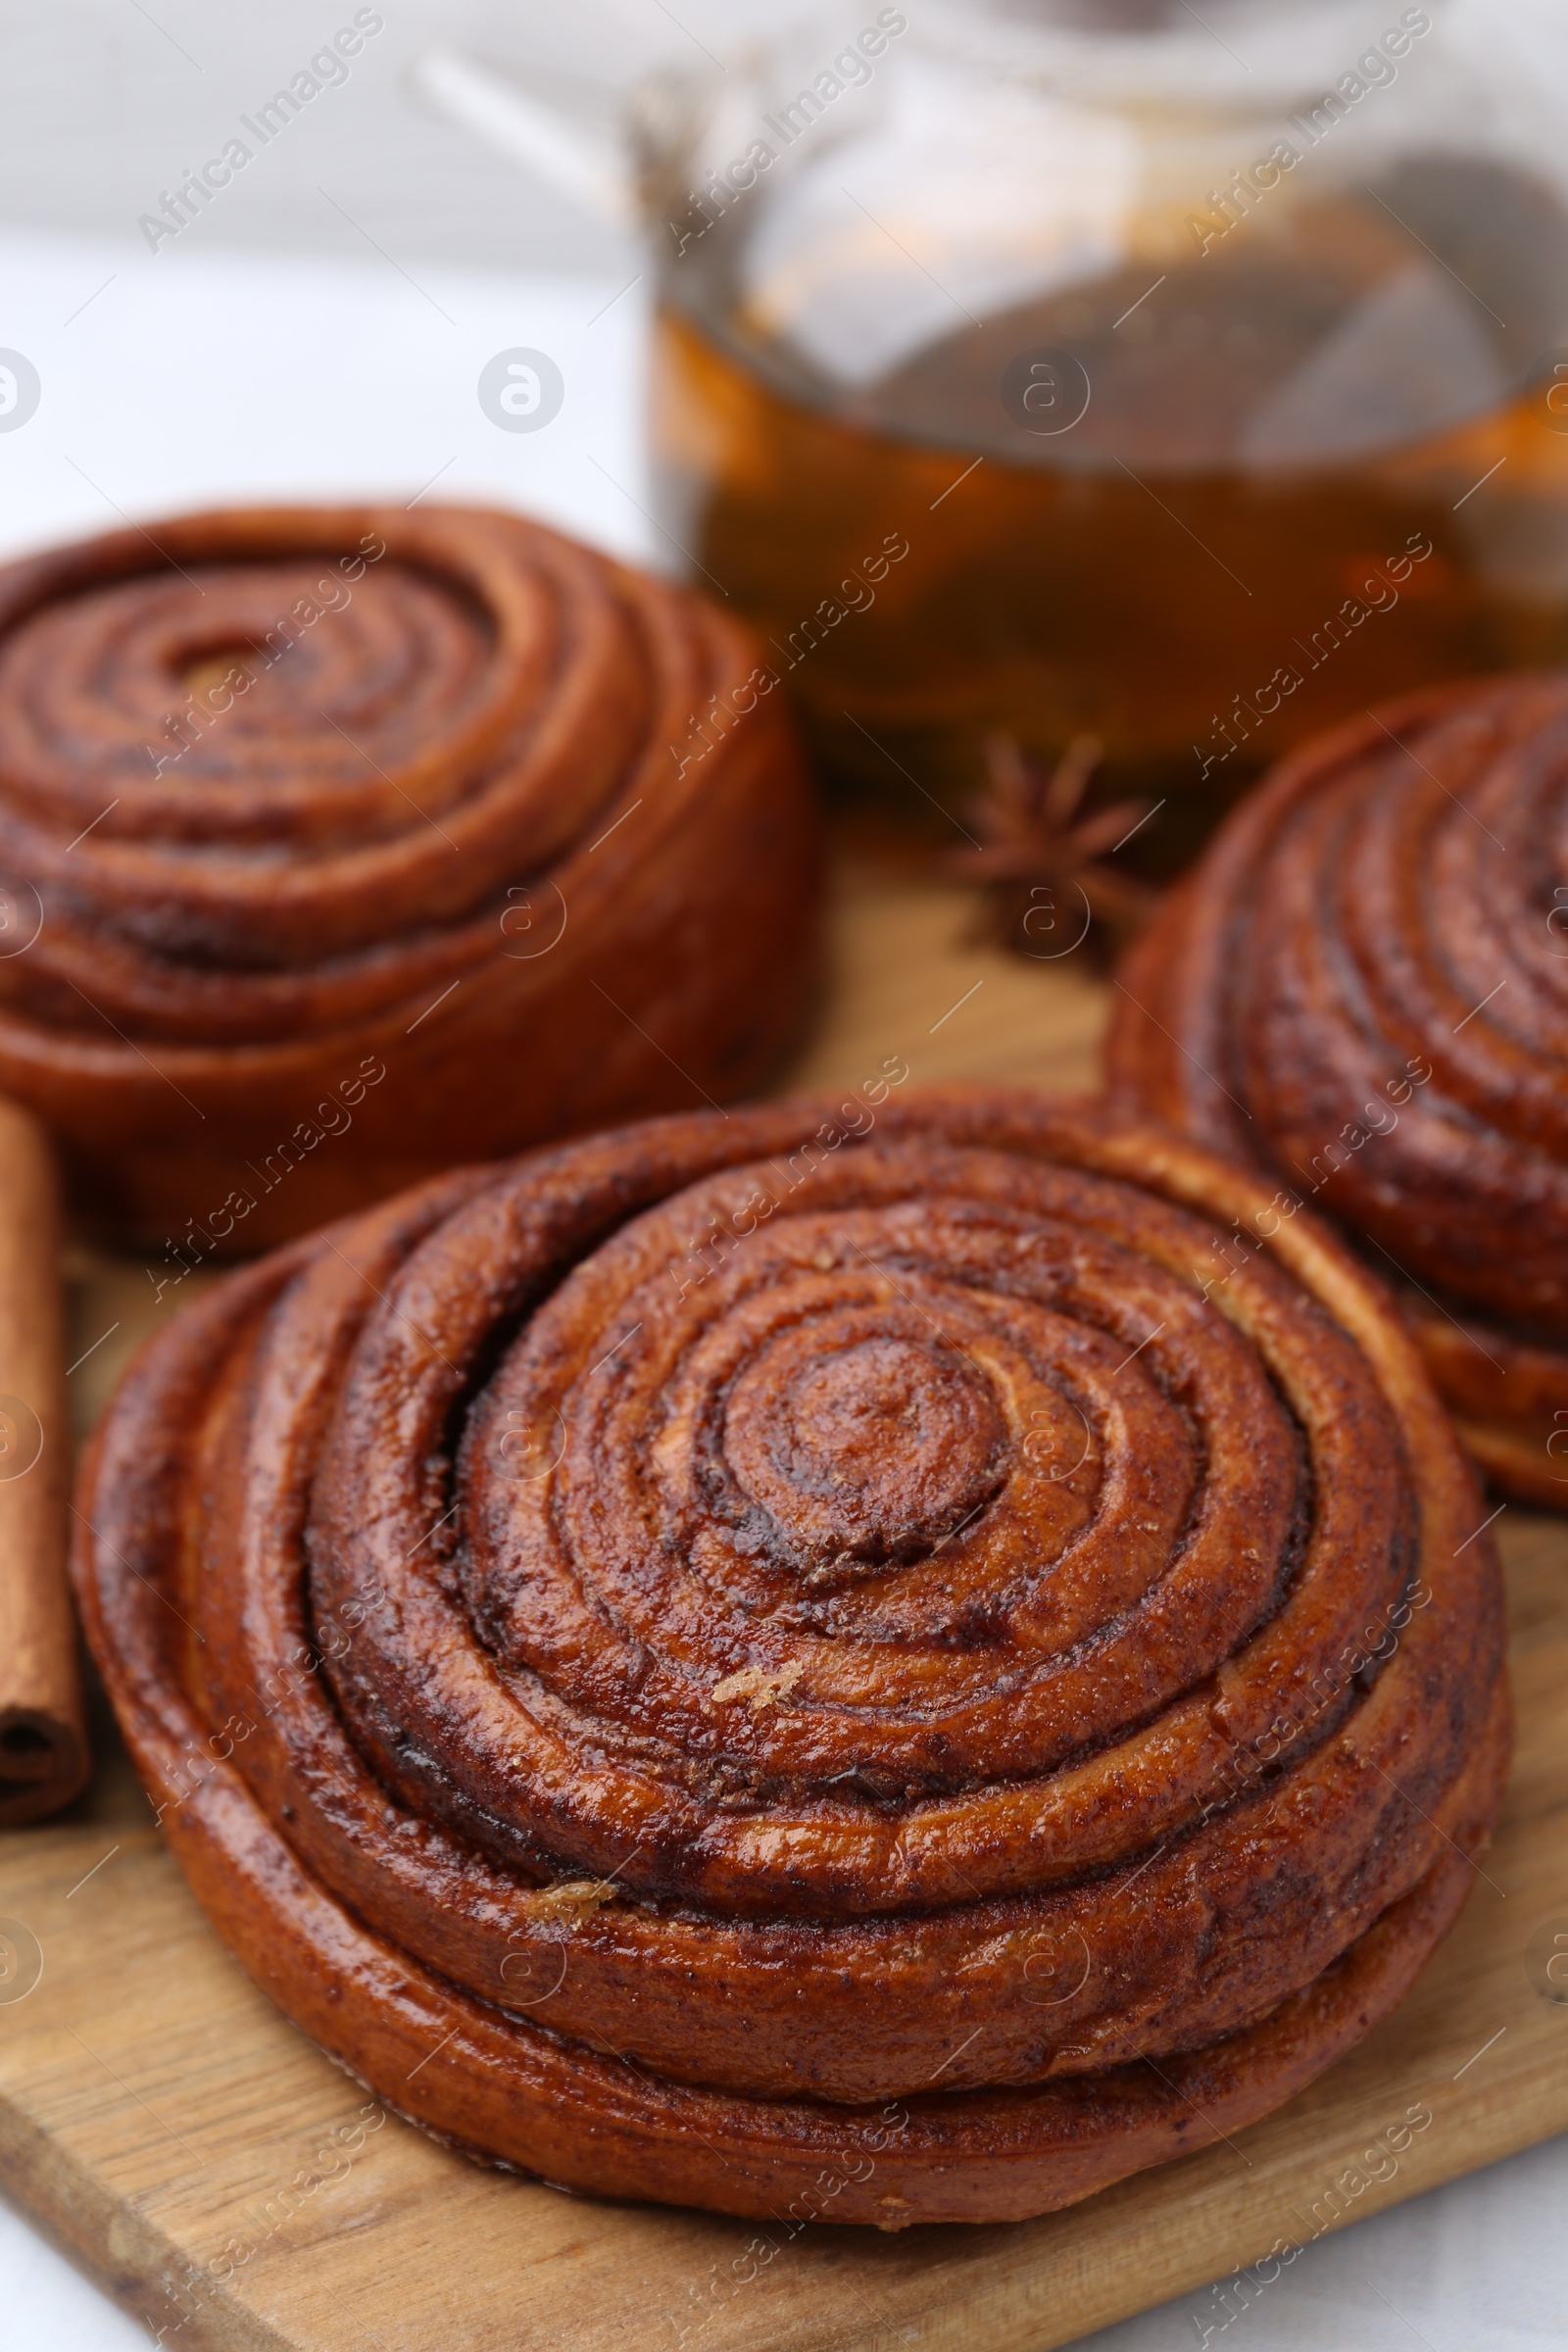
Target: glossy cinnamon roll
x,y
1363,989
861,1660
337,845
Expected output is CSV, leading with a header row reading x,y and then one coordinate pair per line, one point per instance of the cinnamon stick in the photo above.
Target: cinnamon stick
x,y
43,1740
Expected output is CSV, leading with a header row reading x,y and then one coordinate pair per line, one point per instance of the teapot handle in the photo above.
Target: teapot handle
x,y
584,159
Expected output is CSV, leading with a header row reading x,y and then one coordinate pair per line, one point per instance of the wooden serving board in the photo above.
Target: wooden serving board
x,y
232,2189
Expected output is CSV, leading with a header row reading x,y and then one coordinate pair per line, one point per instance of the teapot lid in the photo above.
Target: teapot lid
x,y
1252,53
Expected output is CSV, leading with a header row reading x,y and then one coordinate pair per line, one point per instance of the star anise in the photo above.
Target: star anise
x,y
1044,864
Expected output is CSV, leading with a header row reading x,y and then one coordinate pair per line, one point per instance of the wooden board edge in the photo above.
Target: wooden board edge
x,y
115,2245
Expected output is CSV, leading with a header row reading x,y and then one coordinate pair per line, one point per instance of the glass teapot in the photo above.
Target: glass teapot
x,y
1097,368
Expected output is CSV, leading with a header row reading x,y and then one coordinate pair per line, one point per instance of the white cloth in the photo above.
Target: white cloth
x,y
199,376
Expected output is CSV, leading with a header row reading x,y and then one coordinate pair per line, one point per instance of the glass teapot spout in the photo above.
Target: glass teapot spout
x,y
566,129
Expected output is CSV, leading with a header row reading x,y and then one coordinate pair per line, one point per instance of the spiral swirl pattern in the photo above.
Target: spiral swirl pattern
x,y
314,822
1365,987
821,1637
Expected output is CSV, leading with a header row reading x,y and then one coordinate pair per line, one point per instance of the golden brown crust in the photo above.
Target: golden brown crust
x,y
433,860
1365,988
821,1640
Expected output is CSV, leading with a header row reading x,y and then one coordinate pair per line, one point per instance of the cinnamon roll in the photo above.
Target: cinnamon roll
x,y
340,843
1364,989
887,1661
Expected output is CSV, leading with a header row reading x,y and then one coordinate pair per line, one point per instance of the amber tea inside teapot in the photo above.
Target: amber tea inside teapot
x,y
1182,381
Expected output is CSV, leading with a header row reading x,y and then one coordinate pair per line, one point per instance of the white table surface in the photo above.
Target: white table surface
x,y
202,375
